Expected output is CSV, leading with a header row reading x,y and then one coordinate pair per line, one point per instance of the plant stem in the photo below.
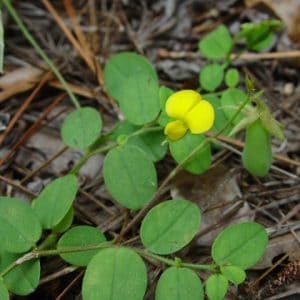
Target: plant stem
x,y
40,51
211,267
35,254
88,155
173,263
108,147
48,241
38,253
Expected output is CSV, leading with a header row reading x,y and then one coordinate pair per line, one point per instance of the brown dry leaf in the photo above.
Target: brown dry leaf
x,y
217,193
18,81
287,10
278,246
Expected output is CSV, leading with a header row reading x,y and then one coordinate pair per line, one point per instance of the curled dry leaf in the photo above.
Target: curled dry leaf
x,y
284,244
18,81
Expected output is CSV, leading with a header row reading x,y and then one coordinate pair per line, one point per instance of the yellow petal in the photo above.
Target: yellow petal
x,y
175,130
201,117
180,103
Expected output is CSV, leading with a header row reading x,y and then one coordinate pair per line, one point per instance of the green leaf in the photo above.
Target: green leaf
x,y
231,99
170,225
23,279
19,226
217,44
179,284
257,152
80,236
150,142
234,274
55,200
114,274
4,295
211,76
164,94
1,42
132,80
81,128
259,35
129,176
216,287
232,78
182,148
65,223
241,245
265,43
220,117
122,66
140,100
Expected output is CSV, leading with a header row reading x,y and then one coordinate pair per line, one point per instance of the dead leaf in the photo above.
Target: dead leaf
x,y
18,81
277,246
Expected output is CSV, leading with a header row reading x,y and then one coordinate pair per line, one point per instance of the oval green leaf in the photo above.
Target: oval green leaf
x,y
122,66
81,128
80,236
220,117
140,100
232,78
179,284
19,226
55,200
169,226
234,274
216,287
217,44
241,245
231,99
4,295
23,279
257,138
129,176
114,274
211,76
132,80
182,148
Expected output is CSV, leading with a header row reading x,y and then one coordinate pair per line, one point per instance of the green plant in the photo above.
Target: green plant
x,y
113,270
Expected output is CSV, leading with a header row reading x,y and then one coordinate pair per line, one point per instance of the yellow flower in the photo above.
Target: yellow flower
x,y
190,111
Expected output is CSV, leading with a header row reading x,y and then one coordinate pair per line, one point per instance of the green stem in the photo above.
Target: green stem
x,y
35,254
108,147
88,155
40,51
48,241
38,253
211,267
51,252
173,263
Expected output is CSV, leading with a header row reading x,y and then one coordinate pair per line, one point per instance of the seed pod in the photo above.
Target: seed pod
x,y
257,154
